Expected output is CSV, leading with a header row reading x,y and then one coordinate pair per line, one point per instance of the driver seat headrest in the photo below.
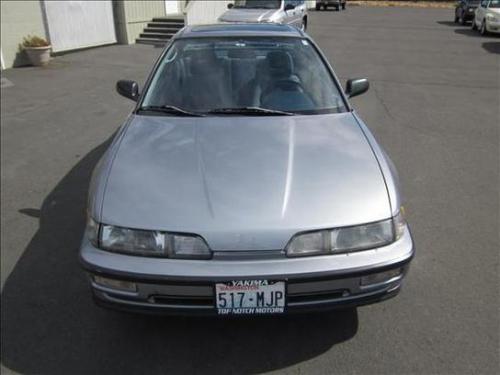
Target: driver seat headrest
x,y
204,62
280,64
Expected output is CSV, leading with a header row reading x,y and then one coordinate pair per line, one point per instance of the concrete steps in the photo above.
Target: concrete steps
x,y
160,30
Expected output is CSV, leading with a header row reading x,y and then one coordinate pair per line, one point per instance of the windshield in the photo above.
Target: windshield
x,y
280,74
258,4
494,4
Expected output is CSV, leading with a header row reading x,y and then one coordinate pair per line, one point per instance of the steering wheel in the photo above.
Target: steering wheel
x,y
285,84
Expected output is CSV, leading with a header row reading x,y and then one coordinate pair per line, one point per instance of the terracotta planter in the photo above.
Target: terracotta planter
x,y
39,56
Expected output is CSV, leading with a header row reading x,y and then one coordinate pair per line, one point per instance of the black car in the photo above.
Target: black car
x,y
465,10
334,3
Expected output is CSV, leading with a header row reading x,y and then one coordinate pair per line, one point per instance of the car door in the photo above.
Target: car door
x,y
481,12
301,11
290,15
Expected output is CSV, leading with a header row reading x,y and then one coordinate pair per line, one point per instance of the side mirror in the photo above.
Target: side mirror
x,y
128,89
230,6
355,87
289,7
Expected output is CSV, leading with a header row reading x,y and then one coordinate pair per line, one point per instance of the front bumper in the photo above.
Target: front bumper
x,y
493,27
187,286
469,14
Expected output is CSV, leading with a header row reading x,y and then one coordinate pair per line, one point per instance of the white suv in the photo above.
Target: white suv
x,y
487,18
289,12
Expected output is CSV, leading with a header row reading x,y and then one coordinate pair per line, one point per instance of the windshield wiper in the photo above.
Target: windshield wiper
x,y
170,109
256,111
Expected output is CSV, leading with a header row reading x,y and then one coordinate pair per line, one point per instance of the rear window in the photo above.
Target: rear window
x,y
258,4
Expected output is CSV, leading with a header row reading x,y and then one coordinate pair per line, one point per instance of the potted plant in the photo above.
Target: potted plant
x,y
37,49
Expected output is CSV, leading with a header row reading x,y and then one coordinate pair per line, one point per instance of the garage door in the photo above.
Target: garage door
x,y
79,24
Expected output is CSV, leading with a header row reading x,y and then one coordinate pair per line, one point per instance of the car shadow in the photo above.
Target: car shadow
x,y
461,29
448,23
492,47
51,326
467,31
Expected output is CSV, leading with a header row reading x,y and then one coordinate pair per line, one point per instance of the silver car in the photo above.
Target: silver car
x,y
290,12
244,183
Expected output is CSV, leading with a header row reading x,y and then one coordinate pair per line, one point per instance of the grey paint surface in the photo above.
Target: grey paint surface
x,y
442,134
243,183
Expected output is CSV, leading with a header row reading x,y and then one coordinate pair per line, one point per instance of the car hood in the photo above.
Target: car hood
x,y
244,183
247,15
495,11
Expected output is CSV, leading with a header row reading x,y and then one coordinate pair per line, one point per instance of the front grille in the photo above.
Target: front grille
x,y
190,301
208,302
316,297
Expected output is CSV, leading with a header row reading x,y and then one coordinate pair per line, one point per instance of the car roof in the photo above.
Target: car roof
x,y
239,29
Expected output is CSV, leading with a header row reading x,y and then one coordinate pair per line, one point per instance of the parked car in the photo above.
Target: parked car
x,y
290,12
487,17
338,4
243,182
465,10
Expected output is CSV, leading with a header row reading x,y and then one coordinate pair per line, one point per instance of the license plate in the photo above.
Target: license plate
x,y
250,297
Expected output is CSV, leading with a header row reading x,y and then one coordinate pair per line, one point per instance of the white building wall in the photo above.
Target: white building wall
x,y
199,12
172,7
18,19
79,24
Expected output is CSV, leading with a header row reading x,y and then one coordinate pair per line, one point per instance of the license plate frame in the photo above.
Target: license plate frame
x,y
250,297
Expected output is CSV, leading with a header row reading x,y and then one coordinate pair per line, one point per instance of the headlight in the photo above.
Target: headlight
x,y
143,242
362,237
190,247
92,231
491,18
153,243
349,239
399,222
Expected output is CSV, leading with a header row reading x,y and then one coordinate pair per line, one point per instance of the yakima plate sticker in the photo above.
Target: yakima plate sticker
x,y
250,297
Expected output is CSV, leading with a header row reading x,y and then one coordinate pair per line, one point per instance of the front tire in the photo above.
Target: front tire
x,y
318,7
343,6
456,17
474,26
303,27
483,30
337,8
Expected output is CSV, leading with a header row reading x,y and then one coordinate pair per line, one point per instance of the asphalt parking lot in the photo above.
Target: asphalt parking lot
x,y
434,105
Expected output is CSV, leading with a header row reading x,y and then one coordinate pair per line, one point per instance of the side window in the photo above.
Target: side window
x,y
484,3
